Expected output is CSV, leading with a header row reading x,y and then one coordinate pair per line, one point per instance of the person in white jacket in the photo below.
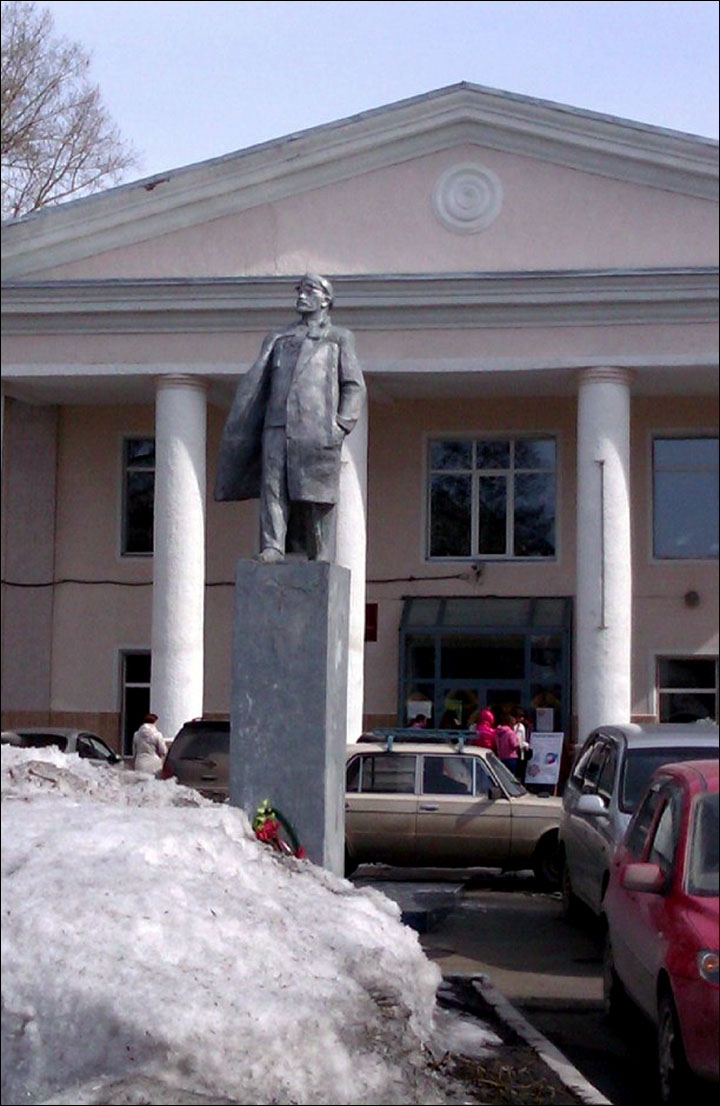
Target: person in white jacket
x,y
149,747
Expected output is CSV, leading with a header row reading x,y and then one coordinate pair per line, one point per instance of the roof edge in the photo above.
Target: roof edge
x,y
573,137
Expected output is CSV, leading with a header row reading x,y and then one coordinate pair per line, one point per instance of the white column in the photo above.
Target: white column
x,y
350,551
604,567
176,692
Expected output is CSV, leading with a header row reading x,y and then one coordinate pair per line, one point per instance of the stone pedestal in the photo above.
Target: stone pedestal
x,y
289,699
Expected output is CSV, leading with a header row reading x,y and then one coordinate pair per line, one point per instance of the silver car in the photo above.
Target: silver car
x,y
86,744
609,776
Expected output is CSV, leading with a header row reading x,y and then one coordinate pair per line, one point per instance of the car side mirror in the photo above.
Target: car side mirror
x,y
496,793
643,877
592,805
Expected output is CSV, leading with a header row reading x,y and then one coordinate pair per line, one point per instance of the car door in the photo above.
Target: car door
x,y
381,807
94,748
646,927
571,795
461,821
592,833
622,905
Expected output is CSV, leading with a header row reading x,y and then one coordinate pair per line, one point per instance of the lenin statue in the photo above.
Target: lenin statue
x,y
283,437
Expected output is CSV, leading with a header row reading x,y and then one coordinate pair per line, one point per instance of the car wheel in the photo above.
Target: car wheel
x,y
673,1071
546,863
571,907
615,999
350,865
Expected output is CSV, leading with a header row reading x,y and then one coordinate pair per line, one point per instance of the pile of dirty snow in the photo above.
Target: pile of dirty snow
x,y
154,951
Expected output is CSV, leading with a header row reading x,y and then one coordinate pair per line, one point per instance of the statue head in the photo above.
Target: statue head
x,y
314,292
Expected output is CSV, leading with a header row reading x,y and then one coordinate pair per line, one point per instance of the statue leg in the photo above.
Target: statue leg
x,y
319,528
274,502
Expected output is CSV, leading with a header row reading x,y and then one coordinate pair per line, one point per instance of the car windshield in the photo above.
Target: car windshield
x,y
504,776
202,744
641,763
702,876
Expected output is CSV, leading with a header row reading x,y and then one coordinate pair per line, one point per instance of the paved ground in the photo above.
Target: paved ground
x,y
516,1074
470,933
504,928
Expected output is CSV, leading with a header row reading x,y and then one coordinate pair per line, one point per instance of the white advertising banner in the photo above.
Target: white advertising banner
x,y
544,766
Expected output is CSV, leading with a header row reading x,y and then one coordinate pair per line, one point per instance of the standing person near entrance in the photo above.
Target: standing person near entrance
x,y
485,731
507,747
283,437
521,728
149,747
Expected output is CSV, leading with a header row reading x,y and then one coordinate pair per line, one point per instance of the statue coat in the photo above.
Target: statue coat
x,y
324,401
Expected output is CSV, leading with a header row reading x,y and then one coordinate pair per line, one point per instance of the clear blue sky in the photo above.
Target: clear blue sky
x,y
190,81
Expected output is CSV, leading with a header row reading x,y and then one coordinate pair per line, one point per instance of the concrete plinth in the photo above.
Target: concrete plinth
x,y
289,699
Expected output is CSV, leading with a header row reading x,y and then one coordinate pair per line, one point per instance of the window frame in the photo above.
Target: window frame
x,y
126,467
475,473
363,757
124,685
697,805
469,760
599,754
655,436
579,768
642,822
671,806
662,689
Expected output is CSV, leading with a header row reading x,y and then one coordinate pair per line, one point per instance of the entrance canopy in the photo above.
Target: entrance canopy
x,y
458,655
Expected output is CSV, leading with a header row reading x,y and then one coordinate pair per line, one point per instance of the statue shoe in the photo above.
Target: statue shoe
x,y
270,556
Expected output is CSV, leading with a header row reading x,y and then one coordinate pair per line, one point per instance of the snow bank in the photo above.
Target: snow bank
x,y
150,941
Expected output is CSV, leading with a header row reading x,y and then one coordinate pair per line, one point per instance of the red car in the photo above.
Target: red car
x,y
661,909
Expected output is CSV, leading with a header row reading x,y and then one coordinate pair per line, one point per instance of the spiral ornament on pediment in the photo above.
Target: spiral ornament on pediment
x,y
467,198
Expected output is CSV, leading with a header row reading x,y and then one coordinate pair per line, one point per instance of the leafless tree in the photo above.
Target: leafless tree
x,y
57,138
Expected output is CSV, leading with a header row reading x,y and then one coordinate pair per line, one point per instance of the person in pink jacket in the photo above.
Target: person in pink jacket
x,y
485,733
508,743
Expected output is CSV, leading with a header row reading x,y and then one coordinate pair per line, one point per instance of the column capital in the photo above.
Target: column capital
x,y
181,380
605,374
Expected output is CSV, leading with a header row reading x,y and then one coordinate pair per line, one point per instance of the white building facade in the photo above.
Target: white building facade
x,y
529,508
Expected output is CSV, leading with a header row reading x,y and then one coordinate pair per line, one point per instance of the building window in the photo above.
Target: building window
x,y
685,498
138,495
687,688
492,498
135,683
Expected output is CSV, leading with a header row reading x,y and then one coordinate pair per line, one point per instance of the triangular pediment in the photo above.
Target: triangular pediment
x,y
463,125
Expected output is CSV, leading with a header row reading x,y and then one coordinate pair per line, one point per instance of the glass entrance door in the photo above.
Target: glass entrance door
x,y
463,702
459,655
503,700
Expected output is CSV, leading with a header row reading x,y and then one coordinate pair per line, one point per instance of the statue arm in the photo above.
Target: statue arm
x,y
352,384
238,465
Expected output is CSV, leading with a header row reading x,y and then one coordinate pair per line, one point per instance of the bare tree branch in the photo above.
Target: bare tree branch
x,y
56,137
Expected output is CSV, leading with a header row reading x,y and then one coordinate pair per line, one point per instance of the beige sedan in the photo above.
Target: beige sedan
x,y
442,805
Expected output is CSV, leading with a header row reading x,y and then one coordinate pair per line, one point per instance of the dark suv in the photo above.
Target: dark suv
x,y
199,757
